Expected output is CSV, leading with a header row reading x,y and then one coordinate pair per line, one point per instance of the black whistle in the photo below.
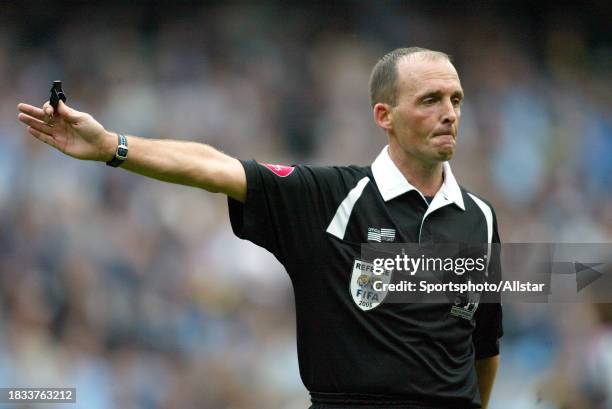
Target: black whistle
x,y
57,93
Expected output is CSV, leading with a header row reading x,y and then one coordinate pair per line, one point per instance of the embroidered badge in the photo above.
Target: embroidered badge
x,y
366,287
279,170
381,235
464,308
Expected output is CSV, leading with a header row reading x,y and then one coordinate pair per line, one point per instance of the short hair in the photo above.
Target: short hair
x,y
383,87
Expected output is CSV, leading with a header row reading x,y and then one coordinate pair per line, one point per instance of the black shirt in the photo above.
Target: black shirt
x,y
314,219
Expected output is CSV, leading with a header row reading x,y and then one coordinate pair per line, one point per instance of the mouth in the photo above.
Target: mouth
x,y
444,138
443,132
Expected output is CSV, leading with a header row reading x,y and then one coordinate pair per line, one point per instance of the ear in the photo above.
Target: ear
x,y
383,115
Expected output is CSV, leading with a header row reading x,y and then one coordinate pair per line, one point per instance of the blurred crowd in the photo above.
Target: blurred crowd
x,y
136,292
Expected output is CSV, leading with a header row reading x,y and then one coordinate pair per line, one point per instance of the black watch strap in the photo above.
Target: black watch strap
x,y
121,153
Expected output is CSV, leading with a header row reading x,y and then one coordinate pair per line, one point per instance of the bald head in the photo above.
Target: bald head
x,y
384,77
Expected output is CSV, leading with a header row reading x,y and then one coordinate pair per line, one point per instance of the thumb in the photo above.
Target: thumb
x,y
69,114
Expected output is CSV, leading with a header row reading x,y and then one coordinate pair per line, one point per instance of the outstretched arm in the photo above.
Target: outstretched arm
x,y
79,135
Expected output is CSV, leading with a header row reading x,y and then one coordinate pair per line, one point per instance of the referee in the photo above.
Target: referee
x,y
354,350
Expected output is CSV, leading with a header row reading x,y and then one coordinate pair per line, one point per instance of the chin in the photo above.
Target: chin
x,y
446,155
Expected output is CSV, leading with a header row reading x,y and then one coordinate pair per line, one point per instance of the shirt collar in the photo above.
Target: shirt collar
x,y
392,183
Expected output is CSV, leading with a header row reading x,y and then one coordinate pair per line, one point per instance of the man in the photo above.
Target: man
x,y
353,352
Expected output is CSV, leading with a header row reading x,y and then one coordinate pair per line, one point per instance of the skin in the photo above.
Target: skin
x,y
423,125
486,370
79,135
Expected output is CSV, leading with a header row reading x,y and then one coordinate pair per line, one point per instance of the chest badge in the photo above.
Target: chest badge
x,y
366,287
381,235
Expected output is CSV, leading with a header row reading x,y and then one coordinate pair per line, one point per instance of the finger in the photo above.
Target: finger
x,y
35,123
41,136
69,114
31,111
48,111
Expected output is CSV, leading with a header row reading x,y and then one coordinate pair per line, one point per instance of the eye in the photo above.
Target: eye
x,y
457,101
429,101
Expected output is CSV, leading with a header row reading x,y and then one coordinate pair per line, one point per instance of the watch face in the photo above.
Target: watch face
x,y
121,152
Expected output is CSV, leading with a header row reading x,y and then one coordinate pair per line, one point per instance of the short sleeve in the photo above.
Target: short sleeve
x,y
287,207
489,327
488,330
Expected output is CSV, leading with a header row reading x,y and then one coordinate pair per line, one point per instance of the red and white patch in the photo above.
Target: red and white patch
x,y
279,170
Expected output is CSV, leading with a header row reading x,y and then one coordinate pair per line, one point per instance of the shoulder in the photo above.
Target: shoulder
x,y
348,171
475,200
330,183
336,176
294,171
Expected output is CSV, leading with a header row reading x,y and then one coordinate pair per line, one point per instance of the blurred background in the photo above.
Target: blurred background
x,y
136,292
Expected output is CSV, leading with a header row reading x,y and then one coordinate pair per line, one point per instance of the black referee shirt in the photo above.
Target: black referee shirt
x,y
314,219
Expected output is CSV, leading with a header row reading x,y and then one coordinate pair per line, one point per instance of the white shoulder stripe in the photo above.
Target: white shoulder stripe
x,y
488,214
337,227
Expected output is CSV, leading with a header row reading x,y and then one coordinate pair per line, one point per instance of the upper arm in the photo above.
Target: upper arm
x,y
216,172
234,181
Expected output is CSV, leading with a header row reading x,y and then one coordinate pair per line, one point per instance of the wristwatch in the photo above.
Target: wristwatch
x,y
121,153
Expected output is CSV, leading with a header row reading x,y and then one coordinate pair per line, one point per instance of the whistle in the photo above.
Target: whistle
x,y
57,93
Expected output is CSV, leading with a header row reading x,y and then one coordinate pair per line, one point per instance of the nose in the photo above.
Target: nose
x,y
449,114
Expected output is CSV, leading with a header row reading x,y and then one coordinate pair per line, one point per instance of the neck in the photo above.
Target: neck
x,y
426,177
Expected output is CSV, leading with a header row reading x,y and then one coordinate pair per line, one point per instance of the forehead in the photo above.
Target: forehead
x,y
418,75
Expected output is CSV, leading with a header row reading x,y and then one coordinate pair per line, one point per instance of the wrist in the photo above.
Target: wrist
x,y
121,152
109,146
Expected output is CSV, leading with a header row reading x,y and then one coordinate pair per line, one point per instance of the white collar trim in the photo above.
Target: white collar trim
x,y
392,183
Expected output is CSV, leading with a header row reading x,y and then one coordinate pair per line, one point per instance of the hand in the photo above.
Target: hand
x,y
74,133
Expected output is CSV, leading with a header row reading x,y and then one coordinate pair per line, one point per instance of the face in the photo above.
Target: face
x,y
424,123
